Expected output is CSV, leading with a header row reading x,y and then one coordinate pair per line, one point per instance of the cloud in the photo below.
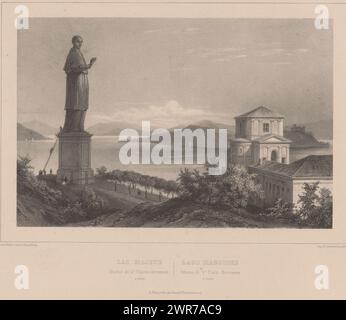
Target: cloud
x,y
167,115
228,54
271,52
177,31
230,58
217,53
223,54
260,53
152,31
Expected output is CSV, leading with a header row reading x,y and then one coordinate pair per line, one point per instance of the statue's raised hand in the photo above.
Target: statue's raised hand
x,y
92,61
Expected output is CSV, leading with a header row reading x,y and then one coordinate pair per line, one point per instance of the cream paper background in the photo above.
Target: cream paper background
x,y
89,262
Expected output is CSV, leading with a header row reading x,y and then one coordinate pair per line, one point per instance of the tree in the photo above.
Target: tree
x,y
169,187
281,209
101,171
189,184
308,200
172,188
235,187
117,175
23,169
325,210
158,184
91,202
232,189
133,179
152,181
316,208
322,216
145,182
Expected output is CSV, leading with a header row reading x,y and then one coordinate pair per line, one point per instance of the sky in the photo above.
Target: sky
x,y
179,71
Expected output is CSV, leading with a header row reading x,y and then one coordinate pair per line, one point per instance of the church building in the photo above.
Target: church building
x,y
260,145
259,137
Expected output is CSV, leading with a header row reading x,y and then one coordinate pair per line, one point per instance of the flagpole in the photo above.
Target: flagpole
x,y
51,151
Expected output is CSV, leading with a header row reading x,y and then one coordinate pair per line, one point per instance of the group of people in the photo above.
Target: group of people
x,y
44,173
139,192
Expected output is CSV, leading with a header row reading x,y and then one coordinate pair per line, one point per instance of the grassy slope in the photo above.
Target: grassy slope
x,y
32,211
182,214
124,210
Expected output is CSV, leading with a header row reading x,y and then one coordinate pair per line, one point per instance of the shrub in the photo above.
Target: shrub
x,y
27,183
90,202
101,171
73,212
232,189
282,209
316,208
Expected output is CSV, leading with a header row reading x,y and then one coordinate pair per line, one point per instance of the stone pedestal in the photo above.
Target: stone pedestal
x,y
75,158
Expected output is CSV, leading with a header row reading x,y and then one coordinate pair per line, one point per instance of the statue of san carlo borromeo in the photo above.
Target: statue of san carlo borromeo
x,y
77,87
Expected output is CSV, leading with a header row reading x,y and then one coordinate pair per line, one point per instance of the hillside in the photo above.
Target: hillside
x,y
216,125
176,213
114,128
322,129
41,205
40,127
208,124
302,139
24,133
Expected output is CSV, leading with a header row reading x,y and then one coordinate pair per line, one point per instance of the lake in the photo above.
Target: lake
x,y
105,152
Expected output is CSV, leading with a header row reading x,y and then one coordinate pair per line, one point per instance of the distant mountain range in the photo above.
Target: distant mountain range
x,y
322,129
23,133
208,124
110,128
114,128
40,127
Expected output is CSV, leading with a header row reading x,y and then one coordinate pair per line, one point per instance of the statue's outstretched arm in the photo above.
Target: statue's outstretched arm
x,y
80,68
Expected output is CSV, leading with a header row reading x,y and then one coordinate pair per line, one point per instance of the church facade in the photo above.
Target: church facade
x,y
259,138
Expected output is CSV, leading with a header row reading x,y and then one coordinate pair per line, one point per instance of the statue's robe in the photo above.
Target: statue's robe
x,y
77,85
77,91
